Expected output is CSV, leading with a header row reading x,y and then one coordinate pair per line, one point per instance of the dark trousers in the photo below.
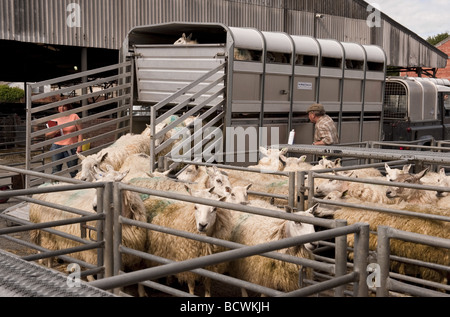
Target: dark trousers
x,y
63,155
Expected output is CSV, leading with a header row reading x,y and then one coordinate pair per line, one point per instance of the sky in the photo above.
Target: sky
x,y
423,17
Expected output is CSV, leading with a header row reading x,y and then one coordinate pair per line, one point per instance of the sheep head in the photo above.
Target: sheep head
x,y
184,40
88,163
295,228
189,174
392,173
218,180
443,180
403,192
205,216
238,194
110,175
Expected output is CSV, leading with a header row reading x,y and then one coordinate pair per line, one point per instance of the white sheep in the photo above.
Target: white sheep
x,y
85,199
363,191
194,218
185,40
392,173
213,178
255,229
241,54
412,195
402,222
270,160
202,177
294,164
116,153
325,163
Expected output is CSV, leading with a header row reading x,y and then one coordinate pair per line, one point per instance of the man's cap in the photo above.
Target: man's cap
x,y
316,107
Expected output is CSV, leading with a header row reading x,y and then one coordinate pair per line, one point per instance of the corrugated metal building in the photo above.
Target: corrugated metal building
x,y
62,27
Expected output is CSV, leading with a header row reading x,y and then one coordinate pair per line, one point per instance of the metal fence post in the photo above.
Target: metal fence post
x,y
117,230
292,193
108,230
361,255
301,190
100,232
341,257
310,189
383,254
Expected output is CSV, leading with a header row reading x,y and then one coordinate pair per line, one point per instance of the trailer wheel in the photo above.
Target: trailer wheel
x,y
2,201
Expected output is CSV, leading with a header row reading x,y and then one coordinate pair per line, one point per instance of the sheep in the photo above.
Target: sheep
x,y
183,40
271,160
138,166
242,55
116,153
412,195
203,177
402,222
276,57
213,177
194,218
363,191
325,163
392,173
238,194
254,229
262,176
85,199
294,164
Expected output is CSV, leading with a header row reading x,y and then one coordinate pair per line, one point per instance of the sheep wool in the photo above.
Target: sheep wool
x,y
406,249
132,237
280,275
181,216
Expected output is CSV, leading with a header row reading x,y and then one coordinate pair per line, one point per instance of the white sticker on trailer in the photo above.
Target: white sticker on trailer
x,y
304,86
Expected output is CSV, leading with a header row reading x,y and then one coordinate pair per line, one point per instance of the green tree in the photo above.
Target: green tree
x,y
10,94
433,40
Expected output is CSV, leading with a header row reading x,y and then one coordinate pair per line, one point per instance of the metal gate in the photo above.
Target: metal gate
x,y
101,98
183,82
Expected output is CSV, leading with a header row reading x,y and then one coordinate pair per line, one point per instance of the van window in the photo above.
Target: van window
x,y
354,64
395,101
306,60
447,104
246,55
278,58
331,62
375,67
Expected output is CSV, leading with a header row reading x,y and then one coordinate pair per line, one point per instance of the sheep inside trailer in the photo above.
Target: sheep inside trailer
x,y
268,80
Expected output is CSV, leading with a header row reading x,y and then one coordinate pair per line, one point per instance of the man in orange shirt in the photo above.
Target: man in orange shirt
x,y
69,141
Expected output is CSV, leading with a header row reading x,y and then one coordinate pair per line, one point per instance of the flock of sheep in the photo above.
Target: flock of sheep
x,y
127,160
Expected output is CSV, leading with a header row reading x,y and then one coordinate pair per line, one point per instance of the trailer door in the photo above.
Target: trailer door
x,y
162,70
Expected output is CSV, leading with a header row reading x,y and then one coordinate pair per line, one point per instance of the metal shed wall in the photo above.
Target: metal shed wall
x,y
105,23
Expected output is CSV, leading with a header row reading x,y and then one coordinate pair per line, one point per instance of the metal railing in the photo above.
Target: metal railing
x,y
338,229
211,109
82,217
421,284
387,282
105,111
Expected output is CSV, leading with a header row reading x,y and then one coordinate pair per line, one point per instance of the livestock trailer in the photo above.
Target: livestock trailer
x,y
416,109
256,84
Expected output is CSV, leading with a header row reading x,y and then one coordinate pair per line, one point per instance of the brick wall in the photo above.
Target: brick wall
x,y
444,46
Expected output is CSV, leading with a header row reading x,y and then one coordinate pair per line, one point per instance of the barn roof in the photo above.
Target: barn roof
x,y
60,29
